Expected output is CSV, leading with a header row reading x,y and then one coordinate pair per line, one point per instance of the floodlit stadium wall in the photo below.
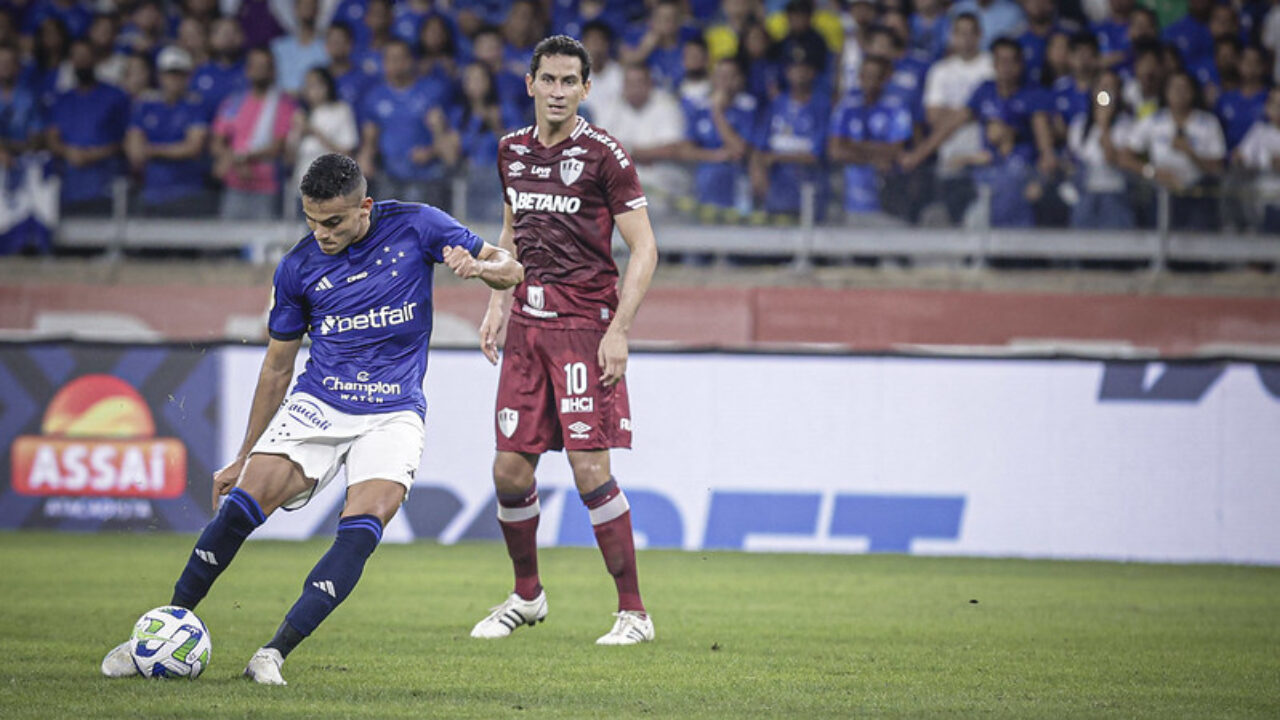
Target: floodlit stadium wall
x,y
1064,458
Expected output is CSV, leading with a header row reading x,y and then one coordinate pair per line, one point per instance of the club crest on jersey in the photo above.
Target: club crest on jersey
x,y
570,170
534,297
508,420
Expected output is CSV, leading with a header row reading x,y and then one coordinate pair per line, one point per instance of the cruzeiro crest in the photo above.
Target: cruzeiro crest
x,y
570,170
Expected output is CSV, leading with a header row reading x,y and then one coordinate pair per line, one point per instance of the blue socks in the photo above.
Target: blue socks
x,y
217,546
331,581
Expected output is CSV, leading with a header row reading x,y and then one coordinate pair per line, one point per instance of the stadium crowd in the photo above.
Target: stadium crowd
x,y
1069,114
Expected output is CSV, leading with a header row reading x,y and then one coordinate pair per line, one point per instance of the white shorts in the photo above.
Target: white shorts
x,y
321,439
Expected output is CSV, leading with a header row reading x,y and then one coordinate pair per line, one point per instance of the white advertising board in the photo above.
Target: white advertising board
x,y
992,457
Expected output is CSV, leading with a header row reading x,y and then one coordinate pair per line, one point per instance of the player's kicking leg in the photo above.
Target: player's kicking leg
x,y
370,506
611,521
518,513
268,482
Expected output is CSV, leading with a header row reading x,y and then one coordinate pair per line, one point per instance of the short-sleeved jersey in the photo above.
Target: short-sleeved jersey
x,y
563,199
368,308
887,120
1016,111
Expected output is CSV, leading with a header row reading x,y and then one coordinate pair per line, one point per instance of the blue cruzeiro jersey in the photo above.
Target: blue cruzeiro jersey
x,y
368,308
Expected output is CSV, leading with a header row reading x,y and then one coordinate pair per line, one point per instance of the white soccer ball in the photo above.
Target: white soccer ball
x,y
170,642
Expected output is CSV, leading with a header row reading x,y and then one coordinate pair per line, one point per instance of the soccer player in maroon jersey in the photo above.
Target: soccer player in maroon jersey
x,y
563,386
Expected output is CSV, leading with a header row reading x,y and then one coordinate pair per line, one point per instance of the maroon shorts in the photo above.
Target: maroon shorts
x,y
550,396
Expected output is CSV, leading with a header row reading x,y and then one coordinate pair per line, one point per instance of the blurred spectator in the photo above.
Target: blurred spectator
x,y
480,119
1095,140
1017,138
998,18
72,15
301,50
261,21
374,34
722,35
248,142
223,74
1113,34
1259,152
869,132
1190,34
146,29
86,129
801,34
761,63
606,73
1270,39
1144,91
398,146
108,62
206,11
650,125
659,44
437,50
948,87
721,130
166,142
409,17
138,78
796,138
929,28
523,27
1223,21
20,117
863,15
1239,108
193,36
323,123
695,77
352,78
1073,94
1221,72
1184,148
488,49
1042,23
907,74
50,74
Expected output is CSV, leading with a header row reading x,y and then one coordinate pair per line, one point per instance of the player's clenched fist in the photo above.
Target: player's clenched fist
x,y
225,479
461,262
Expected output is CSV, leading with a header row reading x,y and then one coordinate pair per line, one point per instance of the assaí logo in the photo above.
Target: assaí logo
x,y
385,316
98,440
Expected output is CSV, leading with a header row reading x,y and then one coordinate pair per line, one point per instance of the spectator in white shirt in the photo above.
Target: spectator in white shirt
x,y
1184,148
649,123
1095,139
947,89
323,124
1259,152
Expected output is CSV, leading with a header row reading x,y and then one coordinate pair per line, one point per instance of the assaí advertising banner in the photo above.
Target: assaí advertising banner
x,y
103,436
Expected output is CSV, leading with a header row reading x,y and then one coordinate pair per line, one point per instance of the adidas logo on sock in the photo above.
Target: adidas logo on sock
x,y
325,586
207,556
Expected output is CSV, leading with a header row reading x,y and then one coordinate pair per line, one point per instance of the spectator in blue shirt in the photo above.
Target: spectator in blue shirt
x,y
52,44
1042,23
399,147
353,78
166,143
478,121
1113,35
300,50
1017,138
760,61
721,130
1191,34
437,50
1242,106
73,16
1221,72
659,44
223,73
869,132
20,120
906,78
796,135
373,33
487,48
1073,94
86,129
522,29
930,28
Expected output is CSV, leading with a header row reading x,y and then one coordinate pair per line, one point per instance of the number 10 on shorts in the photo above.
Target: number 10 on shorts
x,y
575,383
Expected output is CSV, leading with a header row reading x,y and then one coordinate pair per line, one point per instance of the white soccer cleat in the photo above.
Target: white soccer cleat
x,y
264,667
508,616
631,628
119,662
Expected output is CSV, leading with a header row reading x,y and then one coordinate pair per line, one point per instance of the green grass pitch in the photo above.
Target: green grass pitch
x,y
739,635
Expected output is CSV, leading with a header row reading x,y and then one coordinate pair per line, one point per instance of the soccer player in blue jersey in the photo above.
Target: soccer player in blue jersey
x,y
360,285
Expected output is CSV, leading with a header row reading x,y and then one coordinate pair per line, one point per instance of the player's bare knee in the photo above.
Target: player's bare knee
x,y
513,472
591,469
271,480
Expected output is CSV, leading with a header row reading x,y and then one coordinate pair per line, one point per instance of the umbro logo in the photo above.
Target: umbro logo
x,y
579,430
515,168
324,284
325,586
208,557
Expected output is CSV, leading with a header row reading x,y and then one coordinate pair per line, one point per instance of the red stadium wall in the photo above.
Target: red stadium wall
x,y
862,320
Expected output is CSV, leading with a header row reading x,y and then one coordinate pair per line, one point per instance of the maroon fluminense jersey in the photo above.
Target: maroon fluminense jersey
x,y
563,199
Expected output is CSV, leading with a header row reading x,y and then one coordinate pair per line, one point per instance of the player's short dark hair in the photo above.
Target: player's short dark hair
x,y
560,45
330,176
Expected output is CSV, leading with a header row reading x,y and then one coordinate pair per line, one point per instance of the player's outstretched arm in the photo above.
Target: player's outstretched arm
x,y
273,383
494,266
637,232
